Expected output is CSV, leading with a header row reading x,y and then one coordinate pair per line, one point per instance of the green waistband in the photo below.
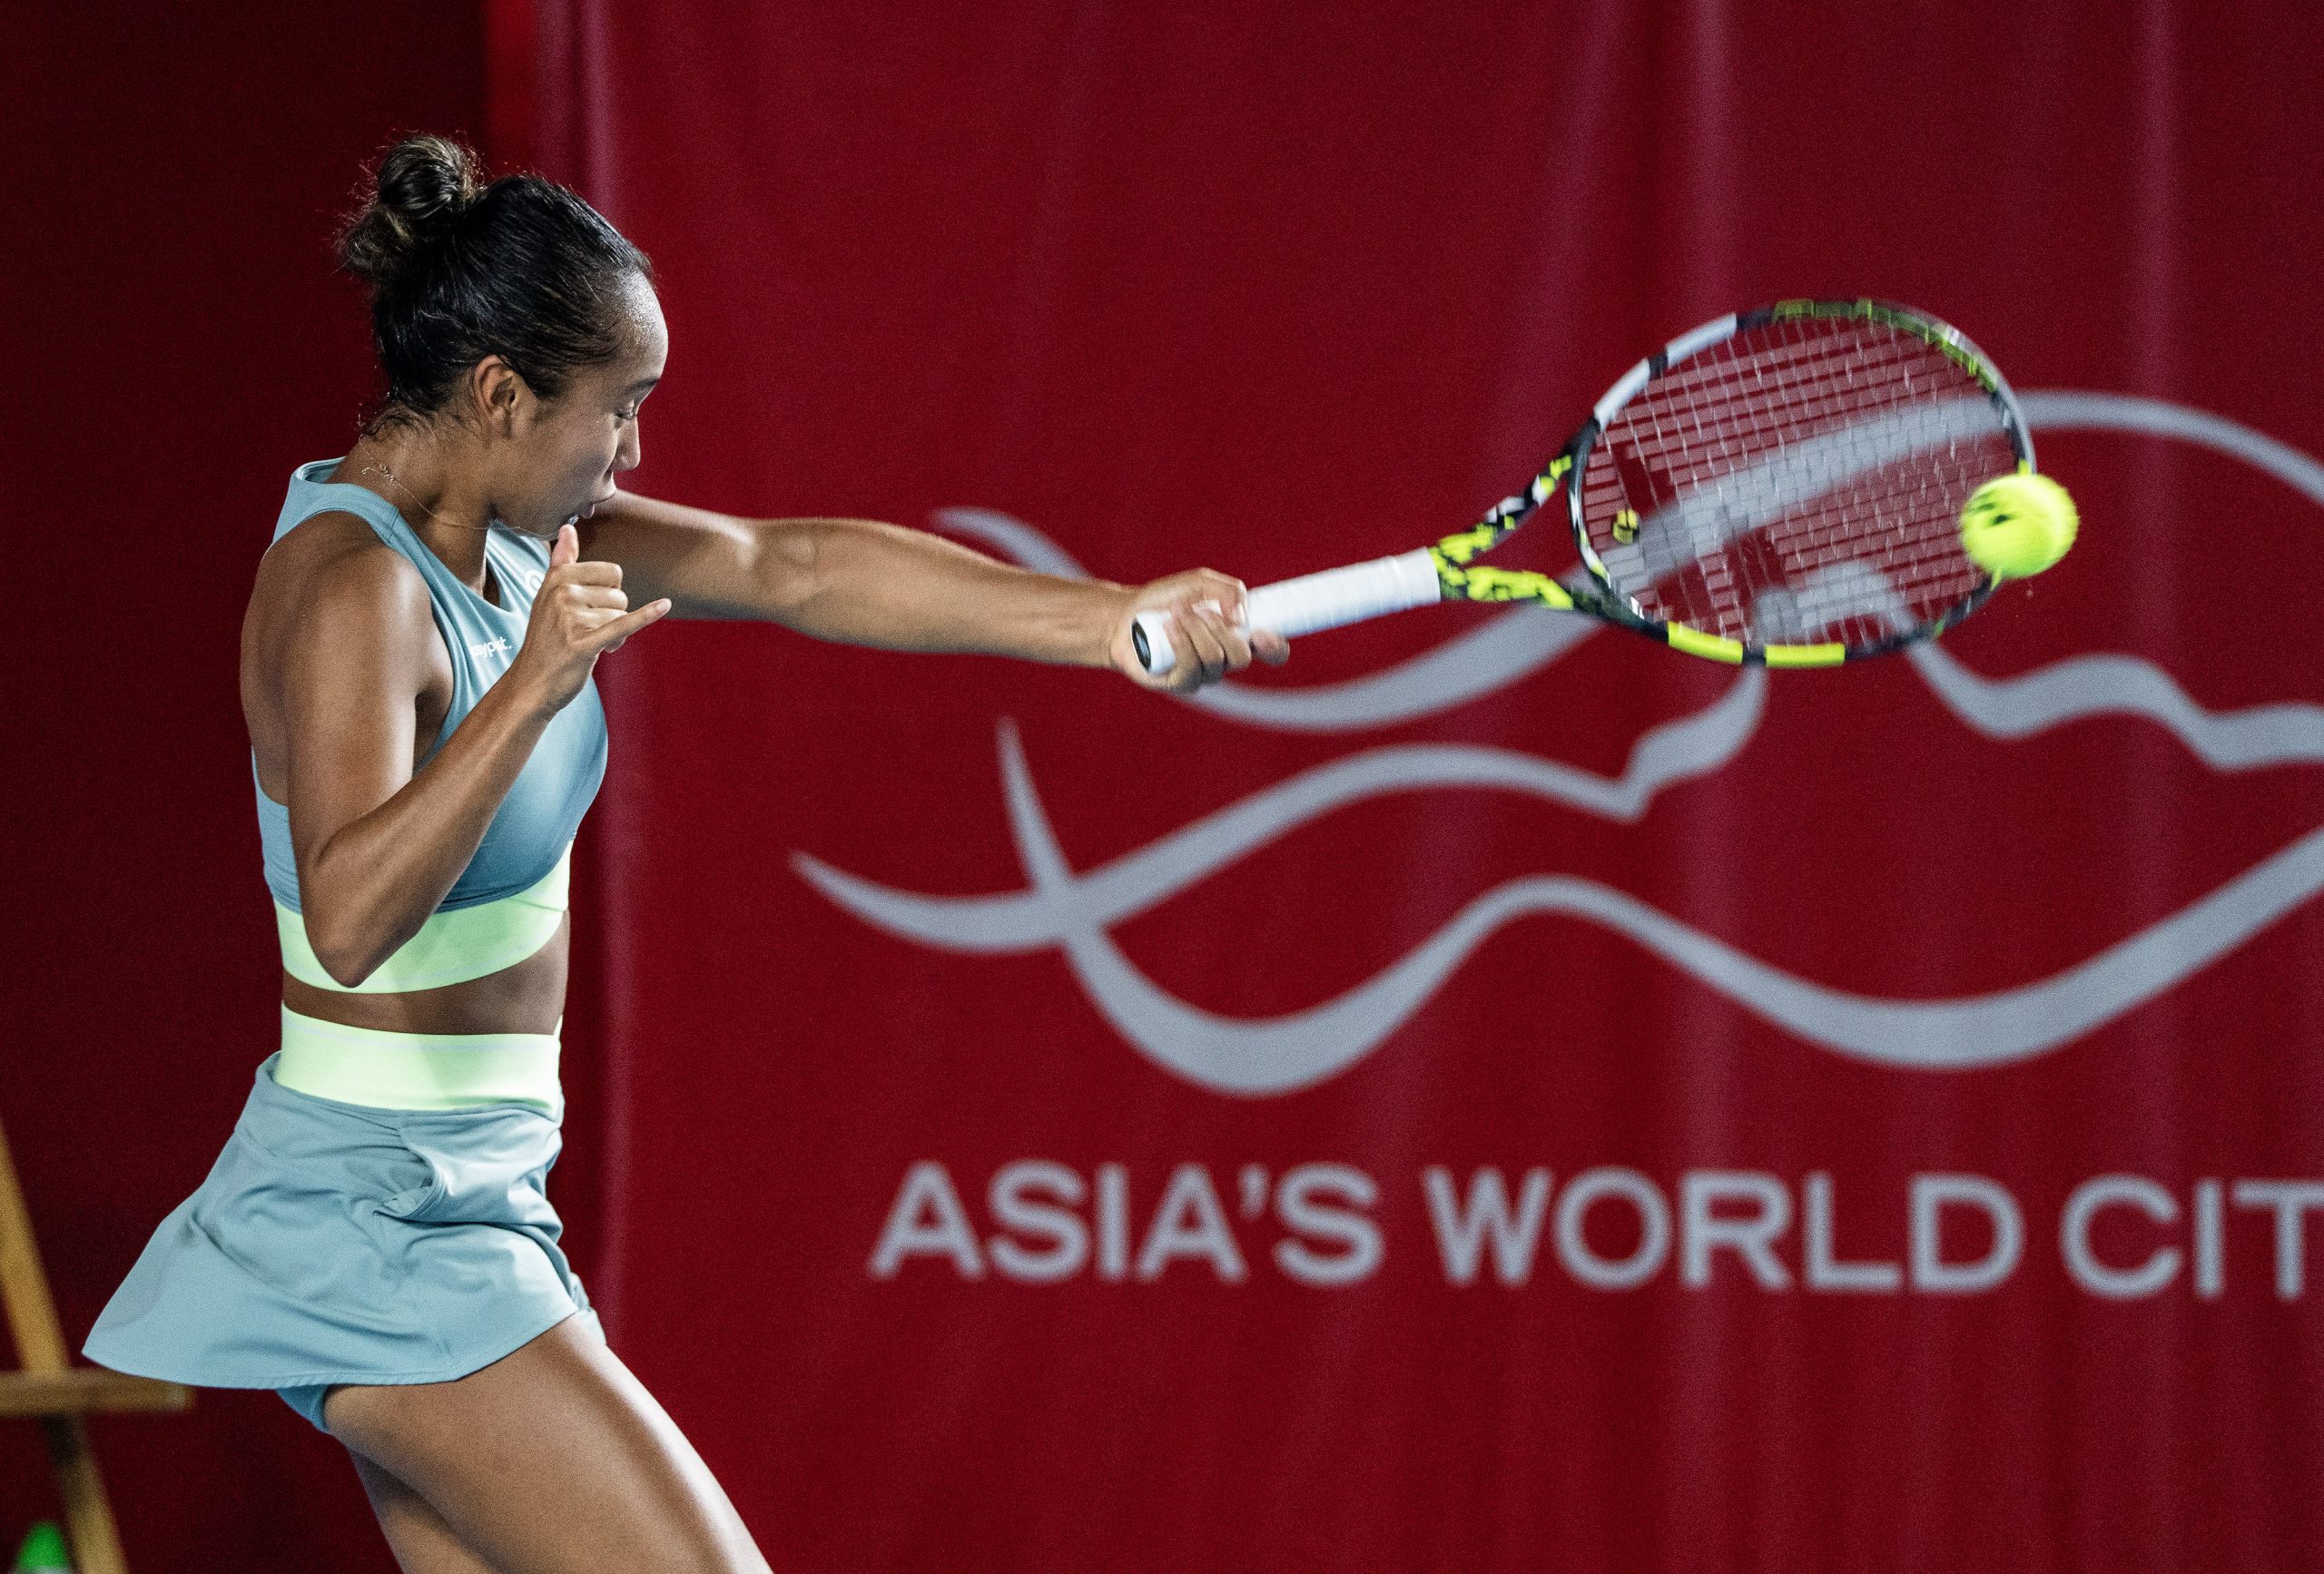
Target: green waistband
x,y
417,1070
451,947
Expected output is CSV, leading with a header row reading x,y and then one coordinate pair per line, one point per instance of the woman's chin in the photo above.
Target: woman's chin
x,y
545,527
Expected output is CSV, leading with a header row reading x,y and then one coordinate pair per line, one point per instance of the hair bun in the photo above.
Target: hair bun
x,y
423,186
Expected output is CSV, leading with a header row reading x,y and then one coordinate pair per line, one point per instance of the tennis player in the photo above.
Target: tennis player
x,y
374,1243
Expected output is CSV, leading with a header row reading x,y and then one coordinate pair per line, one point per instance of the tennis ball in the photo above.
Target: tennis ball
x,y
2016,526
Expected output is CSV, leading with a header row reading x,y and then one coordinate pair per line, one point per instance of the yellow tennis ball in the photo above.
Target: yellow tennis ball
x,y
2016,526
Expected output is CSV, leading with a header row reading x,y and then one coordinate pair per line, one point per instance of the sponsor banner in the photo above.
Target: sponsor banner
x,y
1496,1094
1314,1225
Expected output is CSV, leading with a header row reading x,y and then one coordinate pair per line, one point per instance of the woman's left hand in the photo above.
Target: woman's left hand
x,y
1206,612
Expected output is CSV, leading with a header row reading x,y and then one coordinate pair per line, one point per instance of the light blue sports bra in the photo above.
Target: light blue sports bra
x,y
520,867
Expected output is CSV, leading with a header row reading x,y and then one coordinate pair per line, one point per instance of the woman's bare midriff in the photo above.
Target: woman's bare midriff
x,y
528,997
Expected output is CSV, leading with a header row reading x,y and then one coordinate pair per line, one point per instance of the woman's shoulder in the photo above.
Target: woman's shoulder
x,y
334,565
339,546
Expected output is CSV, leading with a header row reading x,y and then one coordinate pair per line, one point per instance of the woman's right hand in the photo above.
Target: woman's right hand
x,y
578,614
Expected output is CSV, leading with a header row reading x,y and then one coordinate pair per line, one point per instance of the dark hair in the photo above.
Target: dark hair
x,y
521,268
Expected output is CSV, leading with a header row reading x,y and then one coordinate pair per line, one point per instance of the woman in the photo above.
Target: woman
x,y
374,1243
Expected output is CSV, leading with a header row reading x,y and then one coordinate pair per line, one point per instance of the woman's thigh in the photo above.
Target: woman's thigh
x,y
416,1534
551,1461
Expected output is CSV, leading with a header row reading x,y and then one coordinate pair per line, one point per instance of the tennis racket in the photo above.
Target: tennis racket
x,y
1781,487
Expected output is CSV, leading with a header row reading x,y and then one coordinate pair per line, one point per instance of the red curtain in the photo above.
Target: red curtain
x,y
1486,1098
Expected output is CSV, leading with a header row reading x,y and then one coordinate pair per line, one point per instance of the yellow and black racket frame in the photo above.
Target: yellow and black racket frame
x,y
1462,577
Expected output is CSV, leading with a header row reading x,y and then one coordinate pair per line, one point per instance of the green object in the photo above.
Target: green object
x,y
43,1551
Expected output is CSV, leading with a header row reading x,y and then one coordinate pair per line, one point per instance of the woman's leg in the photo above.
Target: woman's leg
x,y
416,1534
551,1461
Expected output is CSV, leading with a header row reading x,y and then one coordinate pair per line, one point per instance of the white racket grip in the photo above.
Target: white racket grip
x,y
1292,608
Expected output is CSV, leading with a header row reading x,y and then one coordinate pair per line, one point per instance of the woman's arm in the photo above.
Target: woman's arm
x,y
378,845
865,583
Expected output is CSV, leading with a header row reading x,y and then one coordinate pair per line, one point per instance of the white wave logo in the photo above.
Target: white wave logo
x,y
1073,911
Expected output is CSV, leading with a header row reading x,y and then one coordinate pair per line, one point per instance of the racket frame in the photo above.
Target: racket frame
x,y
1461,579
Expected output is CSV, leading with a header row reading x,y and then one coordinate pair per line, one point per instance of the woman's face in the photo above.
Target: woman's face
x,y
568,450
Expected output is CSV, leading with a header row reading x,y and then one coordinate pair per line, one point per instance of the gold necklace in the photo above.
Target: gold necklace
x,y
391,480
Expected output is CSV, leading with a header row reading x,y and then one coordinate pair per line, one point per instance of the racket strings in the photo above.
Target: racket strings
x,y
1800,482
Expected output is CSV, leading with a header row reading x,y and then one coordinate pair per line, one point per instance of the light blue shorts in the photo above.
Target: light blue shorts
x,y
335,1243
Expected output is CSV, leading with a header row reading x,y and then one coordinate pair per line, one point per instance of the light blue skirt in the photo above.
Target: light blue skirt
x,y
336,1243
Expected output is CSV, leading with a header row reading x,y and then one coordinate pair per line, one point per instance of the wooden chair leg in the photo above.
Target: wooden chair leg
x,y
88,1517
57,1391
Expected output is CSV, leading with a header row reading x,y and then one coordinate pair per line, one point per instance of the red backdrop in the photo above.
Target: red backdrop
x,y
1055,1232
1274,289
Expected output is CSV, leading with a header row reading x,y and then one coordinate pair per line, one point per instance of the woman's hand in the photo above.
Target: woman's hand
x,y
1206,612
578,614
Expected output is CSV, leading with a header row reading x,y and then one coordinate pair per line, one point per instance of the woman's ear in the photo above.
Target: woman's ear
x,y
501,398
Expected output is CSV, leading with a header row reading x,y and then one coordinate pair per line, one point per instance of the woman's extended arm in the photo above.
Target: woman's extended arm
x,y
871,583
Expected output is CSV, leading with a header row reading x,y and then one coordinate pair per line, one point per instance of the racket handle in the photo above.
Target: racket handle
x,y
1292,608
